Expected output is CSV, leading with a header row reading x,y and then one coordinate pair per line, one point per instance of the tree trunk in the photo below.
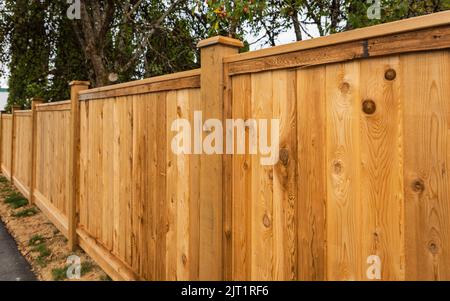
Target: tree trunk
x,y
334,15
297,27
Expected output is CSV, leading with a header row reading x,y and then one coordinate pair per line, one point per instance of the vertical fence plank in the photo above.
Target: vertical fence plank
x,y
425,88
194,195
381,170
262,185
13,140
171,192
285,177
161,199
34,103
241,188
312,190
343,169
182,197
74,165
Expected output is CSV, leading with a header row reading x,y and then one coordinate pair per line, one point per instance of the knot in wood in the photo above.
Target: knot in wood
x,y
390,74
369,107
337,167
433,248
184,259
344,87
284,156
266,221
418,186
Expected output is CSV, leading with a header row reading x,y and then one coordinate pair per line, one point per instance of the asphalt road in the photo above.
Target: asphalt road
x,y
13,267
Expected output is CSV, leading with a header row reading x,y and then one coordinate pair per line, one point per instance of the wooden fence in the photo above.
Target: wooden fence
x,y
51,165
363,166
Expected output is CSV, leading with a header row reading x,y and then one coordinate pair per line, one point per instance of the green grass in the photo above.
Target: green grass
x,y
12,196
16,200
41,261
25,213
86,267
3,179
7,190
42,249
59,274
36,240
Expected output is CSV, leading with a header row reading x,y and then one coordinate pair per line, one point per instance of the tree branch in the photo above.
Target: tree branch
x,y
146,36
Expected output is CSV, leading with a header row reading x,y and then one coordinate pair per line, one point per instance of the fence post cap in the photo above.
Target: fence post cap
x,y
221,40
37,99
79,83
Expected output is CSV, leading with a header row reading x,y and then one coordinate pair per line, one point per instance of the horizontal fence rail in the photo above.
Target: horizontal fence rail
x,y
361,177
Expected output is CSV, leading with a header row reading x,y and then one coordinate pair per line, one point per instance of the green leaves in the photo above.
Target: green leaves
x,y
44,51
230,18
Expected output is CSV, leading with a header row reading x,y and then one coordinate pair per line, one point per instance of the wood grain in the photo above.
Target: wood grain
x,y
6,138
425,91
312,190
382,169
344,260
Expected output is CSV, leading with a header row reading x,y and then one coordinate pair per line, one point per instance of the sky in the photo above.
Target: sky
x,y
286,37
3,81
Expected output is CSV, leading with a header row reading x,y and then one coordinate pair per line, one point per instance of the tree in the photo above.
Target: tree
x,y
271,21
117,41
114,44
29,50
67,58
230,18
391,10
331,16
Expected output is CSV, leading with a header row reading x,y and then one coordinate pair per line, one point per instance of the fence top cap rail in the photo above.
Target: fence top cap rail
x,y
167,77
411,24
220,40
55,103
79,83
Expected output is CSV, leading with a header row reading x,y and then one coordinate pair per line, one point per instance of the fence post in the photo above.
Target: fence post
x,y
213,50
13,139
74,164
35,101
